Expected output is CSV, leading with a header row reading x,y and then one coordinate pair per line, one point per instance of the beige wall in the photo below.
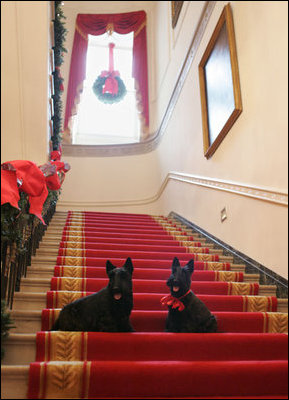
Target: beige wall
x,y
255,150
24,80
253,153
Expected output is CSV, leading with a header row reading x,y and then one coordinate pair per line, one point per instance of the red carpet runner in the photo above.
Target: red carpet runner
x,y
247,358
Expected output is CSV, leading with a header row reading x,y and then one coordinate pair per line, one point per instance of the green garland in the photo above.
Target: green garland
x,y
109,98
60,33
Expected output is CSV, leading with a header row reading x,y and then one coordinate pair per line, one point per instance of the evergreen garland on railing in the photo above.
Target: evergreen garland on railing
x,y
60,33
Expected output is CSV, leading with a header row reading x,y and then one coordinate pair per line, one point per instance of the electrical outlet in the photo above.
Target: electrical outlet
x,y
223,214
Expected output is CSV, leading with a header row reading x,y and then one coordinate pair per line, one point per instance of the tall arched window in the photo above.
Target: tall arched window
x,y
96,25
97,122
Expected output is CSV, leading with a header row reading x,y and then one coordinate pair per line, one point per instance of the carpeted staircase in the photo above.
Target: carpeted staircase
x,y
247,358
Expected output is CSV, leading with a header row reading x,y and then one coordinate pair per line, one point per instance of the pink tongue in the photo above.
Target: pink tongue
x,y
175,288
117,296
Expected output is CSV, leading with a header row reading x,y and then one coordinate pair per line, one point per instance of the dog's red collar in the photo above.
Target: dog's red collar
x,y
174,302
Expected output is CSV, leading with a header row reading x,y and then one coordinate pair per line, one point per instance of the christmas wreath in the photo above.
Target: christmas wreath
x,y
109,88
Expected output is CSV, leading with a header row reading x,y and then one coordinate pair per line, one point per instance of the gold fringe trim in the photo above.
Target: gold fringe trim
x,y
73,272
74,252
240,288
144,129
196,250
226,276
255,304
64,380
277,322
71,284
140,28
110,28
64,297
82,34
68,130
65,346
74,245
73,261
74,238
214,266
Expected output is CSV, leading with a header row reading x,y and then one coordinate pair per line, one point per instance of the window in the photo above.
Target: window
x,y
99,123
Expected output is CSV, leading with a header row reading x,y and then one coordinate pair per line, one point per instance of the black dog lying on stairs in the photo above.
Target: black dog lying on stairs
x,y
105,311
186,313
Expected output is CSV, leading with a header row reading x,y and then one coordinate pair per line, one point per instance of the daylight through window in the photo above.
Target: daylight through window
x,y
99,123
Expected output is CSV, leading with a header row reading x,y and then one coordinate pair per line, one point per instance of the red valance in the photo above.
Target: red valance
x,y
98,24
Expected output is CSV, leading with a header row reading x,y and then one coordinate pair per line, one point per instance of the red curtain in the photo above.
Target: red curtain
x,y
98,24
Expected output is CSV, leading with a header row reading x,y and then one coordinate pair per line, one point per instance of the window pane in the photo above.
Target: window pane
x,y
99,123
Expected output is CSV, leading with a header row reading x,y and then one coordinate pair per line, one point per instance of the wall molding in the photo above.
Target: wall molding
x,y
150,144
257,193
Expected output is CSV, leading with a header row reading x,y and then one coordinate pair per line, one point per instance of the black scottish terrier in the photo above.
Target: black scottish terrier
x,y
105,311
186,312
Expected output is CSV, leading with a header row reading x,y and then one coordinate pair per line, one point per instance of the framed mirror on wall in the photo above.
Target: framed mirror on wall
x,y
219,84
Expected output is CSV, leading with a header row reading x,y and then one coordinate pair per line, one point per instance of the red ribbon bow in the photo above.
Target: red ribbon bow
x,y
111,84
174,302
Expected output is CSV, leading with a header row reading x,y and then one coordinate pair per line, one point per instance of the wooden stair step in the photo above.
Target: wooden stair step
x,y
14,381
29,321
47,271
20,348
54,250
35,301
26,321
54,244
32,284
52,259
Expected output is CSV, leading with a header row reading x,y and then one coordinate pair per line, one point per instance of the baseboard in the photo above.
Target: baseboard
x,y
267,276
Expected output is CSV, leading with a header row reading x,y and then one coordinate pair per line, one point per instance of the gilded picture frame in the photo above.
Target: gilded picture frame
x,y
176,7
219,84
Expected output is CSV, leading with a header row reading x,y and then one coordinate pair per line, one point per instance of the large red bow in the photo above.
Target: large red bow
x,y
111,84
31,180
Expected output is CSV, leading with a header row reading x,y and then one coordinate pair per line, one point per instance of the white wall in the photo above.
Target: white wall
x,y
24,80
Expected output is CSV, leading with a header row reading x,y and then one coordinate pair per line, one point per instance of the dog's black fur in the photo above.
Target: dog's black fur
x,y
195,317
105,311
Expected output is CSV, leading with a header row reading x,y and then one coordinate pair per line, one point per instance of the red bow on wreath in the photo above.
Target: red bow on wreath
x,y
111,84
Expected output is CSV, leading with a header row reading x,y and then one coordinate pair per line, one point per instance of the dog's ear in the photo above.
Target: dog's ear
x,y
175,264
109,267
128,265
190,266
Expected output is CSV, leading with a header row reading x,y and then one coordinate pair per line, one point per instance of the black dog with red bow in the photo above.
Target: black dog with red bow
x,y
187,313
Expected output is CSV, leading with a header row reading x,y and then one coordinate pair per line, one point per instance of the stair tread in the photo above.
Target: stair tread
x,y
44,263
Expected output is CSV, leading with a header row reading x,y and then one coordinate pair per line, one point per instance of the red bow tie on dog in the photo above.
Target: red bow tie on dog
x,y
174,302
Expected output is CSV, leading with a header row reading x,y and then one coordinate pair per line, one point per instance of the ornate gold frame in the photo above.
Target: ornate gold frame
x,y
219,84
176,7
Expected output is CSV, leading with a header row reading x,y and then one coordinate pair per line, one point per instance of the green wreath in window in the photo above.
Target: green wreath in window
x,y
109,87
